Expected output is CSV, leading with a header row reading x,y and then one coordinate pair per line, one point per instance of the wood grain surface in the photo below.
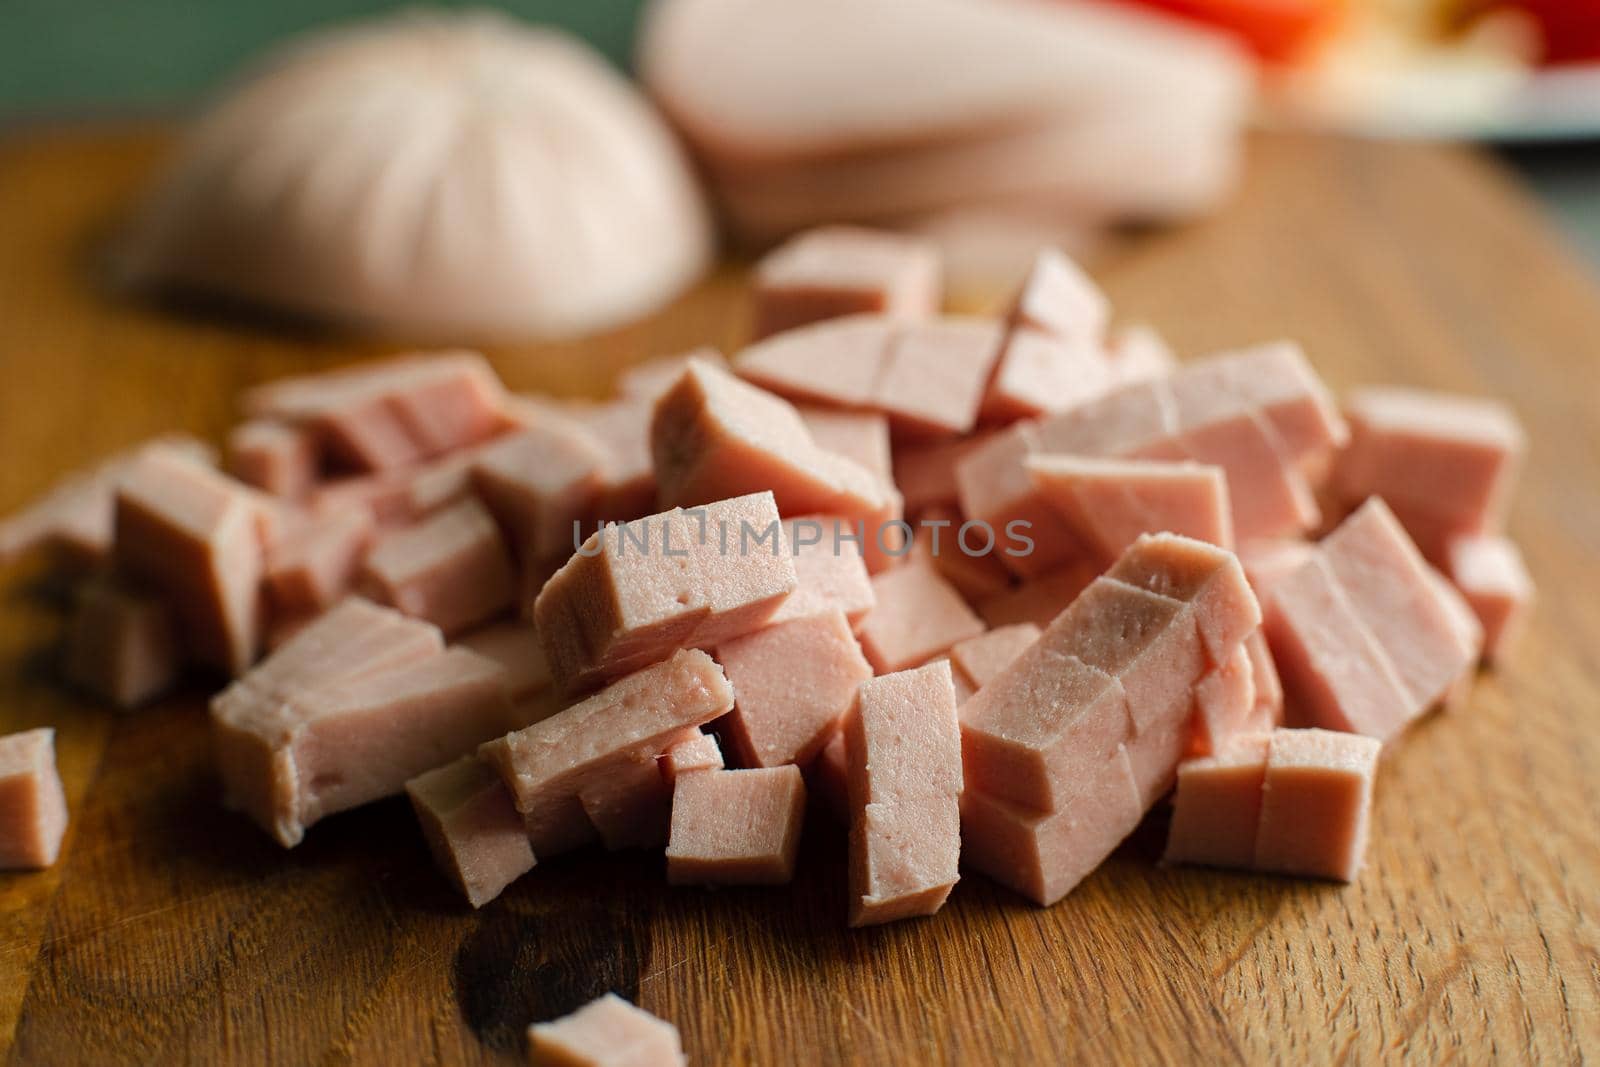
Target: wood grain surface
x,y
174,932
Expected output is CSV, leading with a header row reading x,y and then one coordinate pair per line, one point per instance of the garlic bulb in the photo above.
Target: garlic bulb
x,y
461,176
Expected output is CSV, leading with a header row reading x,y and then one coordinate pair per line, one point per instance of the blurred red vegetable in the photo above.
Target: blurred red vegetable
x,y
1278,31
1570,28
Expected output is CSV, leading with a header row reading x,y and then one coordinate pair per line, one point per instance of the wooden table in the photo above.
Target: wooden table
x,y
172,931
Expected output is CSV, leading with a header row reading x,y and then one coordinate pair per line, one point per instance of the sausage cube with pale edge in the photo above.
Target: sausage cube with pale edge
x,y
829,571
792,682
608,1032
736,827
844,270
904,755
193,537
538,483
629,804
275,457
451,569
1225,703
1316,804
1039,372
633,594
313,564
1218,805
1110,502
698,752
983,657
121,645
472,828
837,361
1490,575
917,616
33,806
1040,599
933,381
549,764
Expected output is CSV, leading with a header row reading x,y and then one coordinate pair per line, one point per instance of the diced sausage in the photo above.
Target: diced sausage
x,y
736,827
33,806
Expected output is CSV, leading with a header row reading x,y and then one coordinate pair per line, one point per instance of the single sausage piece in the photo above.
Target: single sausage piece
x,y
33,806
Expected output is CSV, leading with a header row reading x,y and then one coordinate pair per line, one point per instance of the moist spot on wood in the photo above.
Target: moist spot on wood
x,y
518,968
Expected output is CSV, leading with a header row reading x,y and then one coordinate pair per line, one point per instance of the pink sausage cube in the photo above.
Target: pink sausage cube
x,y
918,615
538,483
1276,380
1316,803
1268,560
635,593
1490,574
936,374
548,764
1224,703
1038,600
121,645
1044,855
1218,805
1144,639
647,381
715,436
516,647
925,473
983,657
1139,353
859,436
1267,490
451,569
1449,460
608,1032
314,563
1110,502
471,827
33,806
275,457
1396,596
325,746
736,827
837,362
1202,575
1058,298
829,571
629,803
843,270
193,537
792,682
905,782
1268,711
967,562
1039,372
698,752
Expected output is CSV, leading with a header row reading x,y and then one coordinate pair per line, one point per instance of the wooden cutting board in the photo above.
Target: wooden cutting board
x,y
172,931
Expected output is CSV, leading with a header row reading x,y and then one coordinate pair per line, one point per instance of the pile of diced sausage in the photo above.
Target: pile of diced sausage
x,y
992,588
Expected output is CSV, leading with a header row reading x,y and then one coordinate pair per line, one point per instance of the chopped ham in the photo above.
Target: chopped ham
x,y
621,429
981,658
1042,372
905,783
829,571
792,683
1044,855
934,376
1097,708
539,483
1316,804
1276,379
549,764
1110,502
451,569
838,361
1225,703
715,436
1139,353
634,593
1490,574
918,615
630,804
736,827
516,647
193,537
859,436
275,457
471,827
608,1032
315,562
121,645
1060,300
963,555
1268,560
1037,600
33,806
1366,635
1445,464
840,270
1269,709
698,752
925,473
392,413
76,516
1217,807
